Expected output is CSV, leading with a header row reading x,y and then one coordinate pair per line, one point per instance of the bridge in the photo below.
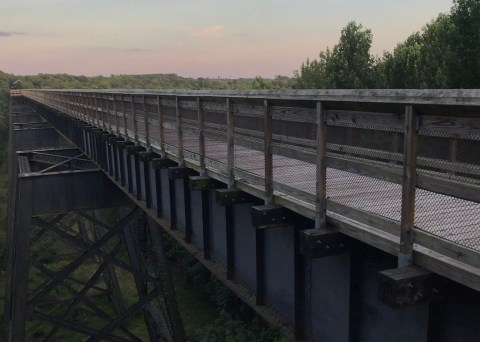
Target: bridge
x,y
337,215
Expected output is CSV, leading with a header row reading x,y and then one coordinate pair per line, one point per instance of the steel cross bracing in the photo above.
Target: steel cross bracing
x,y
83,263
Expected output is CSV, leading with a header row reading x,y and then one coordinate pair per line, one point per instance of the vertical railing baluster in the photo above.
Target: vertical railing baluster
x,y
161,131
408,187
201,136
268,137
181,161
230,145
321,168
147,127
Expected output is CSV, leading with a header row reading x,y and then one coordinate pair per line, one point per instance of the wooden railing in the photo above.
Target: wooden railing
x,y
406,162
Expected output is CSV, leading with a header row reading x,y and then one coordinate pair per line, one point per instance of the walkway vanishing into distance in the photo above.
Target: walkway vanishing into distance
x,y
398,170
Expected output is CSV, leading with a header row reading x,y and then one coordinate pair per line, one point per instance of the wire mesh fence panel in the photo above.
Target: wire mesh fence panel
x,y
449,175
107,110
104,110
168,108
294,147
365,159
215,122
448,217
248,136
128,115
139,117
121,115
115,119
151,104
189,126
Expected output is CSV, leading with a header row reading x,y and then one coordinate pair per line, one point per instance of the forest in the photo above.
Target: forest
x,y
445,53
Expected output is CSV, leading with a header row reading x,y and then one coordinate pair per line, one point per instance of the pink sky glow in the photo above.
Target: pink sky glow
x,y
192,38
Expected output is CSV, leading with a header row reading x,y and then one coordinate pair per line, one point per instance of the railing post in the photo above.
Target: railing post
x,y
161,131
268,137
230,145
408,187
201,136
321,168
147,128
181,161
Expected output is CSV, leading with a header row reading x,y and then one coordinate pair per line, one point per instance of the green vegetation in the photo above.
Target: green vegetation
x,y
211,312
444,54
153,81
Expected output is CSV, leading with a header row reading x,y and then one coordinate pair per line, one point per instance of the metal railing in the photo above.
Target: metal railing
x,y
404,161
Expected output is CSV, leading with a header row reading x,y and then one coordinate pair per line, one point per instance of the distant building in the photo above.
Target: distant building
x,y
16,85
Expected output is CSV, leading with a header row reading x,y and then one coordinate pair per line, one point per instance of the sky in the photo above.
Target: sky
x,y
194,38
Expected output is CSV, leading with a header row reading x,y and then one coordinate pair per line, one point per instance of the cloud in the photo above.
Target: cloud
x,y
210,32
10,33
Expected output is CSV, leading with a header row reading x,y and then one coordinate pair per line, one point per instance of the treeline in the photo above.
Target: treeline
x,y
150,81
444,54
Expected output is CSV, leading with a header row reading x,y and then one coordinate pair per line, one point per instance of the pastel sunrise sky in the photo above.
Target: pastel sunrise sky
x,y
198,38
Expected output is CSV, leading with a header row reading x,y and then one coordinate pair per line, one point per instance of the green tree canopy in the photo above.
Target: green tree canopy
x,y
348,65
465,44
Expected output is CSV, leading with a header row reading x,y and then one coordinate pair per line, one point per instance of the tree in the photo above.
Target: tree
x,y
260,83
437,57
312,74
465,44
402,68
350,64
